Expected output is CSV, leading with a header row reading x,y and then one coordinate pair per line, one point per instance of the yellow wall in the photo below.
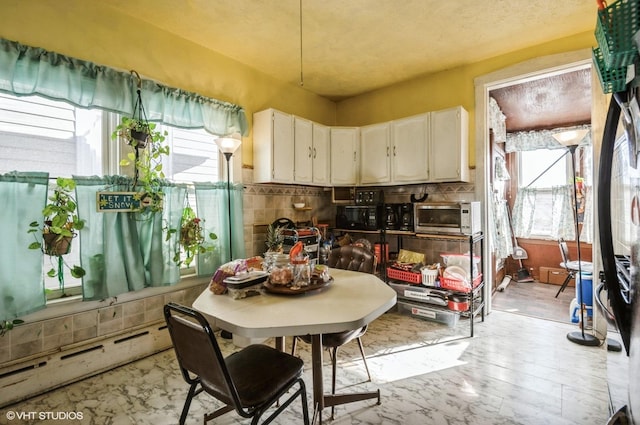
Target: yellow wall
x,y
99,34
443,89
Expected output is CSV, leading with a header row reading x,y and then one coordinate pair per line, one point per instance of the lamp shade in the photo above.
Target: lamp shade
x,y
228,145
570,137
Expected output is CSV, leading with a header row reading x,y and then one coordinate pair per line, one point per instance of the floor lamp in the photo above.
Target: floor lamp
x,y
228,146
570,140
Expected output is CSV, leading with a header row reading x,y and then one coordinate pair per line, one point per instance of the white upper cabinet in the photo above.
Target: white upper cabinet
x,y
430,147
410,139
320,155
449,155
303,150
273,147
344,161
375,151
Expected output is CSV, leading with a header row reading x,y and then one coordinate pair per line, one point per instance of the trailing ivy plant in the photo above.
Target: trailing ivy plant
x,y
192,239
61,225
7,325
147,149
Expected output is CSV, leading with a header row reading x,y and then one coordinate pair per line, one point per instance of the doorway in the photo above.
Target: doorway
x,y
534,69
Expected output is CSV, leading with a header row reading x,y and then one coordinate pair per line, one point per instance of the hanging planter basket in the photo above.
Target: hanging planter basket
x,y
148,147
56,245
140,138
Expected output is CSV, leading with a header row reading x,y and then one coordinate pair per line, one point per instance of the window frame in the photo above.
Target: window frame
x,y
112,152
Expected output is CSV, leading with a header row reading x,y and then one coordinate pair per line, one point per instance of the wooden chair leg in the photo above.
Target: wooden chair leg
x,y
364,358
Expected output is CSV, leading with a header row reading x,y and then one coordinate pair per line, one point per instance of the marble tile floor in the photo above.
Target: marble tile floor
x,y
516,370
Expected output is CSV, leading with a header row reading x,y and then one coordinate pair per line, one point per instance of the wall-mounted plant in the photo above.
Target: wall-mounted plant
x,y
147,149
192,238
61,225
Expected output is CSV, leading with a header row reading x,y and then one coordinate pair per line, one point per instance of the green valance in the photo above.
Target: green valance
x,y
26,70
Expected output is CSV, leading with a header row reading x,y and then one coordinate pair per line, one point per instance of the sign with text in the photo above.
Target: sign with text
x,y
121,201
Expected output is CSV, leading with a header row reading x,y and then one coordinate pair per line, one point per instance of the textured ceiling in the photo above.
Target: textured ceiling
x,y
353,46
560,100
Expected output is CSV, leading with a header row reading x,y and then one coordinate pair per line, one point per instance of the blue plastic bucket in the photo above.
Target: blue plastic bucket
x,y
584,291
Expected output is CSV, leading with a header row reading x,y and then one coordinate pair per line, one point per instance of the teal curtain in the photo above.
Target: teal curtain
x,y
213,208
22,284
124,251
28,70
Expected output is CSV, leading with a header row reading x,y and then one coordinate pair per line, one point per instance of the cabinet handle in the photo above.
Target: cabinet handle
x,y
309,151
314,153
387,150
354,156
394,150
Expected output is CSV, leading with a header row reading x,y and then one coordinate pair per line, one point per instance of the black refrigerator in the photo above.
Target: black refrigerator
x,y
618,208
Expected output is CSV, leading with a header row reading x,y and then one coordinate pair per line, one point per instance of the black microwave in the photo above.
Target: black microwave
x,y
359,217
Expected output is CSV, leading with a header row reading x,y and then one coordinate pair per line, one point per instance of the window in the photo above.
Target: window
x,y
39,134
542,169
533,172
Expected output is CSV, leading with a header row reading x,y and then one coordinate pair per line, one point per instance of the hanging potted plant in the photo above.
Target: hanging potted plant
x,y
136,133
61,225
147,149
192,238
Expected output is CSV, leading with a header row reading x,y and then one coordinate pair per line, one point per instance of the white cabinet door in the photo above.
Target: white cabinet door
x,y
320,155
344,161
303,150
375,164
449,155
273,147
410,149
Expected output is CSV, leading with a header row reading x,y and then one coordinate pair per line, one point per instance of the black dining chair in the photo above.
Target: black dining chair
x,y
348,257
249,381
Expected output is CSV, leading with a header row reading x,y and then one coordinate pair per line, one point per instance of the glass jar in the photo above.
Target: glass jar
x,y
301,273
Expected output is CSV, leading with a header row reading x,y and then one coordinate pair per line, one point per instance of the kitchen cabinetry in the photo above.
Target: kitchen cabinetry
x,y
273,147
320,154
302,150
344,159
410,138
375,154
395,152
449,154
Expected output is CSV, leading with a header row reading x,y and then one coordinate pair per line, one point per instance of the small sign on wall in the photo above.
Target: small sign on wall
x,y
122,201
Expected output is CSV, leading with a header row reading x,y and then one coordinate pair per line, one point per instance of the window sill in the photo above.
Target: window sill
x,y
74,304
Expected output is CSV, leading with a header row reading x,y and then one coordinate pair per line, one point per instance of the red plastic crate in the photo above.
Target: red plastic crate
x,y
410,277
458,285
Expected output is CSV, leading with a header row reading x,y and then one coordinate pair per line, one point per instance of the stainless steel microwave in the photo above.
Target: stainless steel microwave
x,y
457,218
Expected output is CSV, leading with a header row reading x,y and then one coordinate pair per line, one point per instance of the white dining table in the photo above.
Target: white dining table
x,y
350,301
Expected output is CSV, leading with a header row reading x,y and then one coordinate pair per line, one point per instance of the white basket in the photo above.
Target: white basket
x,y
429,276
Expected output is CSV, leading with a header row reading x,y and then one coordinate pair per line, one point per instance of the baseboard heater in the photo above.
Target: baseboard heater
x,y
21,381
